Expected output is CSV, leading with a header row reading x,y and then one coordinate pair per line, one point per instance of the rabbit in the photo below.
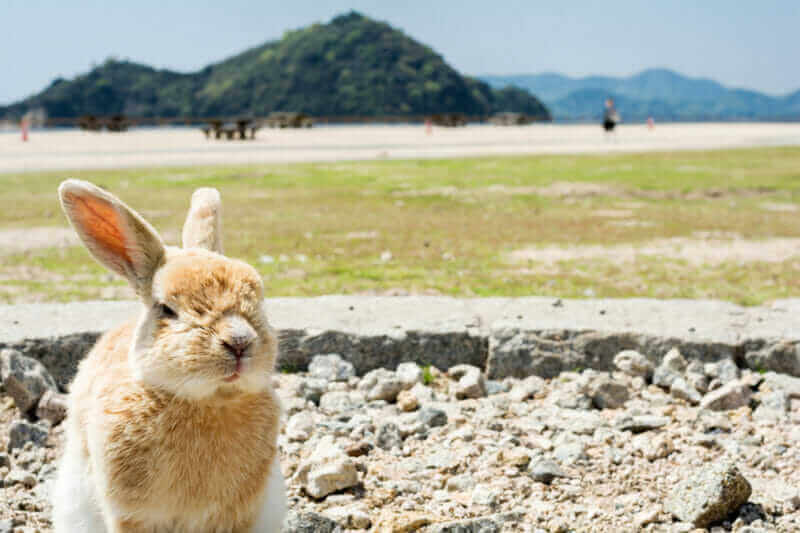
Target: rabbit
x,y
172,420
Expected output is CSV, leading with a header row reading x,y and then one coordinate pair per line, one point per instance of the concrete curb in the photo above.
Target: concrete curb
x,y
505,336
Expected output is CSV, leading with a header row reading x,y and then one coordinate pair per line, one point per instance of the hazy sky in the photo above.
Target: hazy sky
x,y
743,44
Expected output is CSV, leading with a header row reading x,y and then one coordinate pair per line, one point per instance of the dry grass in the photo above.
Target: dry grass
x,y
448,226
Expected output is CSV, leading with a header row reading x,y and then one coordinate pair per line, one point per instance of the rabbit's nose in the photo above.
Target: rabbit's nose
x,y
239,335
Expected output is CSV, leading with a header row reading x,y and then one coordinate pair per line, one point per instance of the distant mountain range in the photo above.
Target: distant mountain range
x,y
350,67
658,93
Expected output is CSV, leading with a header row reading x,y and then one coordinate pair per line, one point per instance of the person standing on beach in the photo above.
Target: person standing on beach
x,y
610,117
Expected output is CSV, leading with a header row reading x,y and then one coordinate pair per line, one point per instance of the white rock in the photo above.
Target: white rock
x,y
526,389
471,383
409,374
484,494
381,384
633,363
328,469
331,367
300,426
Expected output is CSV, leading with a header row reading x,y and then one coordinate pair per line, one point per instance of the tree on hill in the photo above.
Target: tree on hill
x,y
352,66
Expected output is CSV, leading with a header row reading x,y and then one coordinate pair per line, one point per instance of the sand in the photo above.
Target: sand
x,y
73,149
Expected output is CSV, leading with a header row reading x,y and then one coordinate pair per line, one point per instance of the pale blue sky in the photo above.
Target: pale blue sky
x,y
742,44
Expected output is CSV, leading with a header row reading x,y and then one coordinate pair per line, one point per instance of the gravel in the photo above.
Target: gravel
x,y
517,460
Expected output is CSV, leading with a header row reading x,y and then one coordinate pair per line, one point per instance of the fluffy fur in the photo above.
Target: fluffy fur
x,y
172,422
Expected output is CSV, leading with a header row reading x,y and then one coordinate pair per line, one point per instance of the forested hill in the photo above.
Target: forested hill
x,y
352,66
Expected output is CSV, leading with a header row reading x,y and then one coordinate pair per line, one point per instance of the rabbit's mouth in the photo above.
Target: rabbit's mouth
x,y
236,373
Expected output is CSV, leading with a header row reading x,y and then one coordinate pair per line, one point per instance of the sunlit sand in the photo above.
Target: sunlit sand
x,y
73,149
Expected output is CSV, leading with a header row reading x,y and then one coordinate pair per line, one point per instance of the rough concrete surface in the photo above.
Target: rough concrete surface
x,y
504,336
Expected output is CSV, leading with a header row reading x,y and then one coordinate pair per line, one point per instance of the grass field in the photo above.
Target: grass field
x,y
720,224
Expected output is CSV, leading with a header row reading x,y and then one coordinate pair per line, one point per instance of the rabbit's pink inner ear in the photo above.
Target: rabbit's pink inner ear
x,y
101,223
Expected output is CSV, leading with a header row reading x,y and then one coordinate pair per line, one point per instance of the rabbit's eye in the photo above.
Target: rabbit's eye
x,y
167,312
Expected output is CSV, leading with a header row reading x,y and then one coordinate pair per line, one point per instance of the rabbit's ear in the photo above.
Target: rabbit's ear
x,y
202,226
115,234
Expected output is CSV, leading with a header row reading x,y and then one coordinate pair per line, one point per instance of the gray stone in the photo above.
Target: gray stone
x,y
782,357
388,436
683,391
725,371
633,363
545,471
607,393
641,423
672,367
309,522
21,432
312,389
331,367
52,406
430,417
486,524
24,379
709,495
731,396
526,389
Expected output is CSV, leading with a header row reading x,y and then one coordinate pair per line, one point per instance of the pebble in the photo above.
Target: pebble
x,y
328,469
733,395
22,432
24,379
545,471
633,363
708,495
537,455
331,367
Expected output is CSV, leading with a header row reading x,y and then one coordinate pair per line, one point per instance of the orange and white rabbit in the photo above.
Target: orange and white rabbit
x,y
172,420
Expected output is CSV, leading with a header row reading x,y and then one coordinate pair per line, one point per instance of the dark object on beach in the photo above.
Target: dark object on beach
x,y
117,123
610,117
90,123
114,123
288,119
449,120
510,119
242,129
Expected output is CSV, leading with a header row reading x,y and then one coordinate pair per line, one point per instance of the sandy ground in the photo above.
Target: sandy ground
x,y
708,251
73,149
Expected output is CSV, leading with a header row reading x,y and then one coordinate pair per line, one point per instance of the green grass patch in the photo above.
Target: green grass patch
x,y
446,226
